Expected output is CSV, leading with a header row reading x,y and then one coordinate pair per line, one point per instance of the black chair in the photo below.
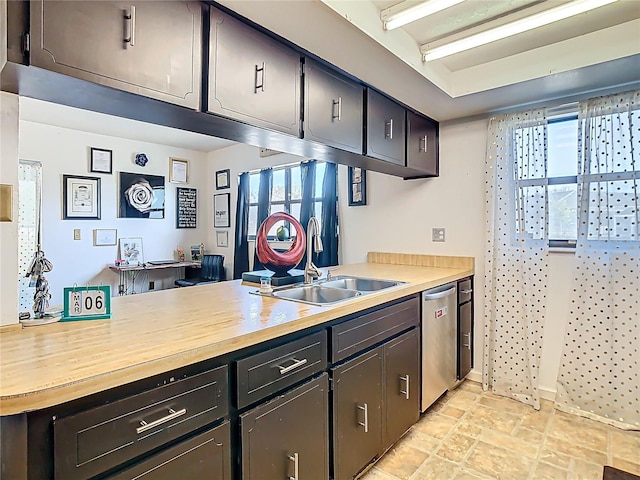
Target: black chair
x,y
211,271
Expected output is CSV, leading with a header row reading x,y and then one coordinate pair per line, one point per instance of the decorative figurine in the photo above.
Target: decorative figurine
x,y
39,265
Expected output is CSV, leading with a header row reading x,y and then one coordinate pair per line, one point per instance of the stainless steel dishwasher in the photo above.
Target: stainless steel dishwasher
x,y
439,325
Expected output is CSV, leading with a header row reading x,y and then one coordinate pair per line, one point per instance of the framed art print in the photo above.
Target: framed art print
x,y
179,170
221,210
222,179
101,160
80,197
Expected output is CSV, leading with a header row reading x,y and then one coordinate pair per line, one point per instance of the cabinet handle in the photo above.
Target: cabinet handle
x,y
131,40
365,424
293,366
260,71
339,104
468,345
423,144
294,459
144,426
389,129
466,292
406,390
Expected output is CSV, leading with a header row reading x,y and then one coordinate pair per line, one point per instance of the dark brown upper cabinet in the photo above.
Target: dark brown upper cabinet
x,y
252,78
422,144
333,109
149,48
385,128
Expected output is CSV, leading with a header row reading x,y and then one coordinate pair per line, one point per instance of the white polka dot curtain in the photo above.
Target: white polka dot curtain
x,y
599,375
517,250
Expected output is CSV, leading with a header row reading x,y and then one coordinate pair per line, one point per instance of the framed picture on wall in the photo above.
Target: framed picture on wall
x,y
222,179
222,238
101,160
178,170
357,186
80,197
221,210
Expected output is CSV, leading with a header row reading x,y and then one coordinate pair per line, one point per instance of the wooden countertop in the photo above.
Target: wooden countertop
x,y
156,332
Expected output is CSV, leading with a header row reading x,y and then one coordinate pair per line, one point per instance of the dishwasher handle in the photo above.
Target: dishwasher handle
x,y
435,296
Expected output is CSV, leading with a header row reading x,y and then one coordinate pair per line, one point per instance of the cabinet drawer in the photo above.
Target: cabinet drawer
x,y
355,335
204,456
465,290
91,442
268,372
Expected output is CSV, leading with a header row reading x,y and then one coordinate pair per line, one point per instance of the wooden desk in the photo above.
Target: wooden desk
x,y
129,273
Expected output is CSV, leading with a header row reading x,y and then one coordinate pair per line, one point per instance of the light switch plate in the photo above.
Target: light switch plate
x,y
6,203
437,234
76,234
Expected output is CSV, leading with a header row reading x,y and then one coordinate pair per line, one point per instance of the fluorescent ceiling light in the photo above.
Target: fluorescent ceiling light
x,y
507,30
399,15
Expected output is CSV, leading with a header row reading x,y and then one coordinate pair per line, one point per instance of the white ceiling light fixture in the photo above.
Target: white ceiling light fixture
x,y
407,12
513,28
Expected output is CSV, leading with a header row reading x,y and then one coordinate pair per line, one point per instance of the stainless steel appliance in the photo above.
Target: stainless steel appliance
x,y
439,323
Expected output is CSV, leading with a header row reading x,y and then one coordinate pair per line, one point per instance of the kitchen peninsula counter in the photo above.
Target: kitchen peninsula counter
x,y
156,332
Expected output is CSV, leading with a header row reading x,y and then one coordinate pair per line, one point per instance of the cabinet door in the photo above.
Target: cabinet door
x,y
204,457
465,339
402,385
288,437
332,109
385,128
422,144
357,413
162,60
252,78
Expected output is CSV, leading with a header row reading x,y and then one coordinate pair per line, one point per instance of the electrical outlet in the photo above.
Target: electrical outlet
x,y
437,234
76,234
152,285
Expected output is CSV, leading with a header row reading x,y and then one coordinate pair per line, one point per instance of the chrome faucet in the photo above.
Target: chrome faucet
x,y
311,272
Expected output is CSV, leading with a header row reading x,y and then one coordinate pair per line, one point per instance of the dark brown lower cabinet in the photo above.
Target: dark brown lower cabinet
x,y
288,437
402,385
204,457
357,413
464,339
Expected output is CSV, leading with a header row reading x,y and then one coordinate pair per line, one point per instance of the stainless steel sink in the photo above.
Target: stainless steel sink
x,y
359,283
315,294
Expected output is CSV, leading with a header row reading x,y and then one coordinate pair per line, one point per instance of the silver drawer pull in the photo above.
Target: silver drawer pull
x,y
131,39
144,426
405,392
468,345
388,133
294,459
260,72
339,105
365,424
293,366
423,145
466,292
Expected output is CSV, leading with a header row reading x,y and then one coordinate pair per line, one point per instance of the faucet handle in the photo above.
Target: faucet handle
x,y
329,272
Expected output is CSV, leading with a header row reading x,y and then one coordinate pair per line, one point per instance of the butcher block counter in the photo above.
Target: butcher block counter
x,y
157,332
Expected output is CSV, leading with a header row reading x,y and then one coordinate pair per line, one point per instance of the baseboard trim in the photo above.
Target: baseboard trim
x,y
545,392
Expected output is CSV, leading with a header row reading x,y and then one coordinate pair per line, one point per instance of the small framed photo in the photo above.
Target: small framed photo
x,y
104,236
80,197
131,251
101,160
178,170
357,186
222,238
223,179
221,210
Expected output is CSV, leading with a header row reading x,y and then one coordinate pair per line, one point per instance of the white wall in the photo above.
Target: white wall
x,y
66,151
9,115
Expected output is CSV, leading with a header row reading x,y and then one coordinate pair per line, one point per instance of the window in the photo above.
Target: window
x,y
286,195
608,186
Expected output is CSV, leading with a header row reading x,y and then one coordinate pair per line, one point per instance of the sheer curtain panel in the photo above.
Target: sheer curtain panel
x,y
517,250
599,374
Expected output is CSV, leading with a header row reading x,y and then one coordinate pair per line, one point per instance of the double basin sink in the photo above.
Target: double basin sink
x,y
334,290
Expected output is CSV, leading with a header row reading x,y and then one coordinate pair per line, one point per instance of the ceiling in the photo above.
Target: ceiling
x,y
596,52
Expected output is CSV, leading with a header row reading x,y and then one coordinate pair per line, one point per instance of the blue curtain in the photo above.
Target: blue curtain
x,y
308,172
264,205
241,250
329,234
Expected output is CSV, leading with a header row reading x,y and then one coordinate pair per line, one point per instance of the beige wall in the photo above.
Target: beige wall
x,y
9,117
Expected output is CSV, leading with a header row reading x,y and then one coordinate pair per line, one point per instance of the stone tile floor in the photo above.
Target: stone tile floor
x,y
473,435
